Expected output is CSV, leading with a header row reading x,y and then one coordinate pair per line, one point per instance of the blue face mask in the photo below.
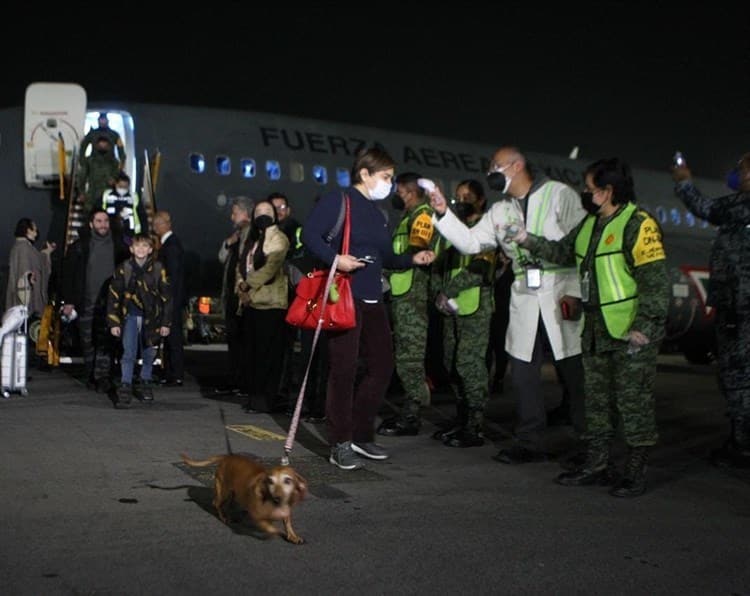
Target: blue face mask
x,y
733,180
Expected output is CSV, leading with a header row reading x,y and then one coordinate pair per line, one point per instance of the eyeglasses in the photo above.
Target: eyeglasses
x,y
495,168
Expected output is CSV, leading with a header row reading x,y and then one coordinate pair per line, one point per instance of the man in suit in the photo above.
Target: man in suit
x,y
172,256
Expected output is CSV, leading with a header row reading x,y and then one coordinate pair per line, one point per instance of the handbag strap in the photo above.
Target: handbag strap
x,y
300,398
347,227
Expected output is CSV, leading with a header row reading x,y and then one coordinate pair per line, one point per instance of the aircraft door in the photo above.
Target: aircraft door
x,y
52,111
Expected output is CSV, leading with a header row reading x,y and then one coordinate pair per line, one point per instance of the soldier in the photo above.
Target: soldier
x,y
625,294
96,174
409,305
465,298
729,294
103,130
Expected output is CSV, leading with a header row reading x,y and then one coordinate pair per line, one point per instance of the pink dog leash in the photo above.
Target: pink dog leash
x,y
300,398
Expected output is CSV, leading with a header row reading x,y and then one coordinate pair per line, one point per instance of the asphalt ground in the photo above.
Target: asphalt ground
x,y
96,500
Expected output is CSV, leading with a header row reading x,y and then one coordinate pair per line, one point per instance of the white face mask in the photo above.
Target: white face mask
x,y
121,191
382,190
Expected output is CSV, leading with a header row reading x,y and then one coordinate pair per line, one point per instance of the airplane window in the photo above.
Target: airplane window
x,y
689,219
343,177
661,215
223,165
674,214
197,163
247,167
320,174
296,171
273,169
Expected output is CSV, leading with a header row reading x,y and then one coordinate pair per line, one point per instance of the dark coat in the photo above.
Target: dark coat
x,y
74,267
148,288
172,256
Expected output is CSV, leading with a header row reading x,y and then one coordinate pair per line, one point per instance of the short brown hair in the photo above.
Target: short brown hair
x,y
138,238
374,159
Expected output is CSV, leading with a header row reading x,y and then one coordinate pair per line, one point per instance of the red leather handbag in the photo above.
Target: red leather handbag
x,y
324,296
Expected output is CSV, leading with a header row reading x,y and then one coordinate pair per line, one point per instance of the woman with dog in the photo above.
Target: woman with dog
x,y
354,396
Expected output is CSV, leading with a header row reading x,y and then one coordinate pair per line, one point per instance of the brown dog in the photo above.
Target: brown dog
x,y
267,494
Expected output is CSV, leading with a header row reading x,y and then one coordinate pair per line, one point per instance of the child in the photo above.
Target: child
x,y
139,310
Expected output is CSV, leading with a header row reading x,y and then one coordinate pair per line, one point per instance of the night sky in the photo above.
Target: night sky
x,y
614,78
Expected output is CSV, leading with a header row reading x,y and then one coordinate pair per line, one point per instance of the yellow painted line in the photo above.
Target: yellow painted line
x,y
255,432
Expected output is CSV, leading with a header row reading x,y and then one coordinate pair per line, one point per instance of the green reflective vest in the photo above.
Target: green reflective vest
x,y
617,289
129,213
401,281
468,300
535,225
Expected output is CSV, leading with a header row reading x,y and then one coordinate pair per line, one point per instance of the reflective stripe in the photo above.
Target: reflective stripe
x,y
401,280
536,226
616,288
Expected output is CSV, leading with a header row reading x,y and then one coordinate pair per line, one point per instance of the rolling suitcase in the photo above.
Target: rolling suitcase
x,y
13,355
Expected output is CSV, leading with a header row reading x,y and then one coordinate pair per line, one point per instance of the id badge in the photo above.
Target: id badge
x,y
585,287
533,278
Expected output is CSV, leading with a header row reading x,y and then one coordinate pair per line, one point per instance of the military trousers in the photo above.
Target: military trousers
x,y
619,388
410,325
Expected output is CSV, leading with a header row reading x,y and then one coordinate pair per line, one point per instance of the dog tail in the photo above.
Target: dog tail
x,y
202,463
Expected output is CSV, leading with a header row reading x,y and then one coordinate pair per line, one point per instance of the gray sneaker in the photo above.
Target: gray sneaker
x,y
370,450
344,457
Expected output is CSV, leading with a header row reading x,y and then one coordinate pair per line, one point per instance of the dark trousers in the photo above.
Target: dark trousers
x,y
317,376
353,400
96,344
236,349
263,335
174,360
527,385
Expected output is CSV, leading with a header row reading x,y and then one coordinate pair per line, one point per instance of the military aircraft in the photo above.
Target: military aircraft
x,y
192,161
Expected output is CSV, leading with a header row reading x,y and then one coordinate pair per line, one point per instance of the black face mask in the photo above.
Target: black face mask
x,y
397,202
497,181
587,200
263,221
464,210
102,151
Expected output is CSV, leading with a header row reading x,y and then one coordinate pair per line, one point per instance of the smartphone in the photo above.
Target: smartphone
x,y
679,159
366,259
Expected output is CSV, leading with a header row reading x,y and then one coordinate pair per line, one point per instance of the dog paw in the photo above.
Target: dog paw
x,y
295,539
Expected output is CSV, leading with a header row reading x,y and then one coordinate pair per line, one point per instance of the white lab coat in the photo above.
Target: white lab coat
x,y
563,214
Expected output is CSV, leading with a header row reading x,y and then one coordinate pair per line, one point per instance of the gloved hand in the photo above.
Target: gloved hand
x,y
445,305
515,232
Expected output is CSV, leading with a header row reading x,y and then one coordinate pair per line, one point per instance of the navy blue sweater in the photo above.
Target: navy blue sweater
x,y
369,236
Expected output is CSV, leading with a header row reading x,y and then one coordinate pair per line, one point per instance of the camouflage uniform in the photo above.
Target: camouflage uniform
x,y
729,294
118,148
615,381
466,335
96,175
409,312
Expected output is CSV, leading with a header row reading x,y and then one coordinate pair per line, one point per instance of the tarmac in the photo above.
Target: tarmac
x,y
96,500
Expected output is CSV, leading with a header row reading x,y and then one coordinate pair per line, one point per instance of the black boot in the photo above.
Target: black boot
x,y
633,482
471,433
594,469
455,425
464,437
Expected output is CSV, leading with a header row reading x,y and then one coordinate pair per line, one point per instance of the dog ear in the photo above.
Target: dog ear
x,y
258,485
300,487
